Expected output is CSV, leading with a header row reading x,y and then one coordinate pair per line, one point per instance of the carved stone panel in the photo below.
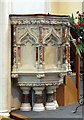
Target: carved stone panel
x,y
50,57
39,44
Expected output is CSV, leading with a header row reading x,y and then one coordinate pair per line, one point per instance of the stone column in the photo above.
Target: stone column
x,y
38,105
59,56
66,57
50,101
54,96
69,66
66,54
25,106
5,66
14,48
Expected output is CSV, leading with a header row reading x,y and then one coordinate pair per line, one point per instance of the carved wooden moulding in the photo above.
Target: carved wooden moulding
x,y
41,49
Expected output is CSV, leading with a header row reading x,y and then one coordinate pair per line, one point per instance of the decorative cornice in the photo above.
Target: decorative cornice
x,y
32,20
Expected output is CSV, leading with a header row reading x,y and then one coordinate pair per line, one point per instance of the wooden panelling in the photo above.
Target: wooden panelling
x,y
60,95
67,92
70,91
78,75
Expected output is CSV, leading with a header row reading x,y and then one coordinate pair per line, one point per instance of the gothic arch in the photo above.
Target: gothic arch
x,y
26,37
51,37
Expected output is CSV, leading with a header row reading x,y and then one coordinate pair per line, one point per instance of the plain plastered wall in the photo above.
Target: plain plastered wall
x,y
30,6
65,7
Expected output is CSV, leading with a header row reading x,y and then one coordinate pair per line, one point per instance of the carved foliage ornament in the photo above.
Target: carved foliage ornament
x,y
28,21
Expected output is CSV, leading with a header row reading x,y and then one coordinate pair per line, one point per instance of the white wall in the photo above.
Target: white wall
x,y
30,6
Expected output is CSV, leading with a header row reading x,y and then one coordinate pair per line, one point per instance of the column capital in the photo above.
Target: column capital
x,y
38,90
25,90
50,89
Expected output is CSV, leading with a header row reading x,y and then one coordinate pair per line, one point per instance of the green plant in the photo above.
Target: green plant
x,y
77,25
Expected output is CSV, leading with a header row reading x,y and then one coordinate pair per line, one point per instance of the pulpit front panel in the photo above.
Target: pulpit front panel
x,y
40,46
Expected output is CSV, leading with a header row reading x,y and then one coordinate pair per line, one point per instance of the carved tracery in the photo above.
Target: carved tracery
x,y
39,33
52,37
27,36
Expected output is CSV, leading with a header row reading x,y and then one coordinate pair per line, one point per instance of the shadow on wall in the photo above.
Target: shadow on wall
x,y
16,94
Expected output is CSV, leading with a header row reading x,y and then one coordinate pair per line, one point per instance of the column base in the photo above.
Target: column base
x,y
25,107
56,104
5,114
50,106
38,107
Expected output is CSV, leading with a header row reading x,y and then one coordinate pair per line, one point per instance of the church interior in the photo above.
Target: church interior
x,y
39,69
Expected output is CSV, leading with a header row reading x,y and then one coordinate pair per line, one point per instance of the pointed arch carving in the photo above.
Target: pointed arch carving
x,y
26,37
51,37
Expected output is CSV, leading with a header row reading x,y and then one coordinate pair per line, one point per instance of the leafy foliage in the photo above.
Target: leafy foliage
x,y
78,28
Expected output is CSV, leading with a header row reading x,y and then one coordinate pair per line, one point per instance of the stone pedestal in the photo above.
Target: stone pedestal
x,y
38,105
54,96
5,113
50,100
25,106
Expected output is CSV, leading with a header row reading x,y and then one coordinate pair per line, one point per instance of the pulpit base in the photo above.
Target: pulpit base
x,y
50,106
25,107
4,114
56,104
38,107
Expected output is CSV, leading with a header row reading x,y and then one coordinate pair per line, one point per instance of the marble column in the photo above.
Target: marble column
x,y
5,63
25,106
59,56
38,105
66,57
50,100
54,96
69,66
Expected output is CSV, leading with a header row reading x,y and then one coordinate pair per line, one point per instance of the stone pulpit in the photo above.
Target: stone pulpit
x,y
40,58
